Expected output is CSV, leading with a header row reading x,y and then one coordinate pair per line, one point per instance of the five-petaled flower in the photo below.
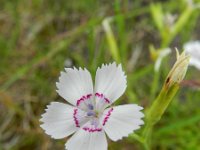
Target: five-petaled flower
x,y
91,113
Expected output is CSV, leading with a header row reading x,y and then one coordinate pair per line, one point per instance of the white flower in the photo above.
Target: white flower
x,y
90,114
193,49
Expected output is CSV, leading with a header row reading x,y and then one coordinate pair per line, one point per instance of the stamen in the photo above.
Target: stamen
x,y
91,113
90,107
95,123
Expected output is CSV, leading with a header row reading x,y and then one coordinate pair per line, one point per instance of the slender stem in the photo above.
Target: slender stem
x,y
147,136
157,110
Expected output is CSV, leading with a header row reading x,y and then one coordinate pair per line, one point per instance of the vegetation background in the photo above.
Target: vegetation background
x,y
38,38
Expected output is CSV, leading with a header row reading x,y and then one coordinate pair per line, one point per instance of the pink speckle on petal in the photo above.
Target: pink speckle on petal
x,y
107,116
103,97
92,130
107,100
83,98
75,117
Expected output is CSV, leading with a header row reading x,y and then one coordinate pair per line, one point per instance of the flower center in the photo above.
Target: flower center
x,y
91,112
93,107
92,116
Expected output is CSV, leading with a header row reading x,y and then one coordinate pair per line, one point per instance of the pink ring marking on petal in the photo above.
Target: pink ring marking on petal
x,y
83,98
107,116
103,97
92,130
75,117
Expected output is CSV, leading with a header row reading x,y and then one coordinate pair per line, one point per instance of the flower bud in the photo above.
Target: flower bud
x,y
178,71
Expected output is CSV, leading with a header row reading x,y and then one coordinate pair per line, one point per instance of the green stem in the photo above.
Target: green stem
x,y
147,136
157,110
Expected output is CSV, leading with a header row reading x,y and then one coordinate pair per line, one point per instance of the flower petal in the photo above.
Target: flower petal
x,y
122,120
61,120
195,62
84,140
110,82
193,49
75,85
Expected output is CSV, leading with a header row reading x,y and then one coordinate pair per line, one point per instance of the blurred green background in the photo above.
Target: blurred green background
x,y
38,38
